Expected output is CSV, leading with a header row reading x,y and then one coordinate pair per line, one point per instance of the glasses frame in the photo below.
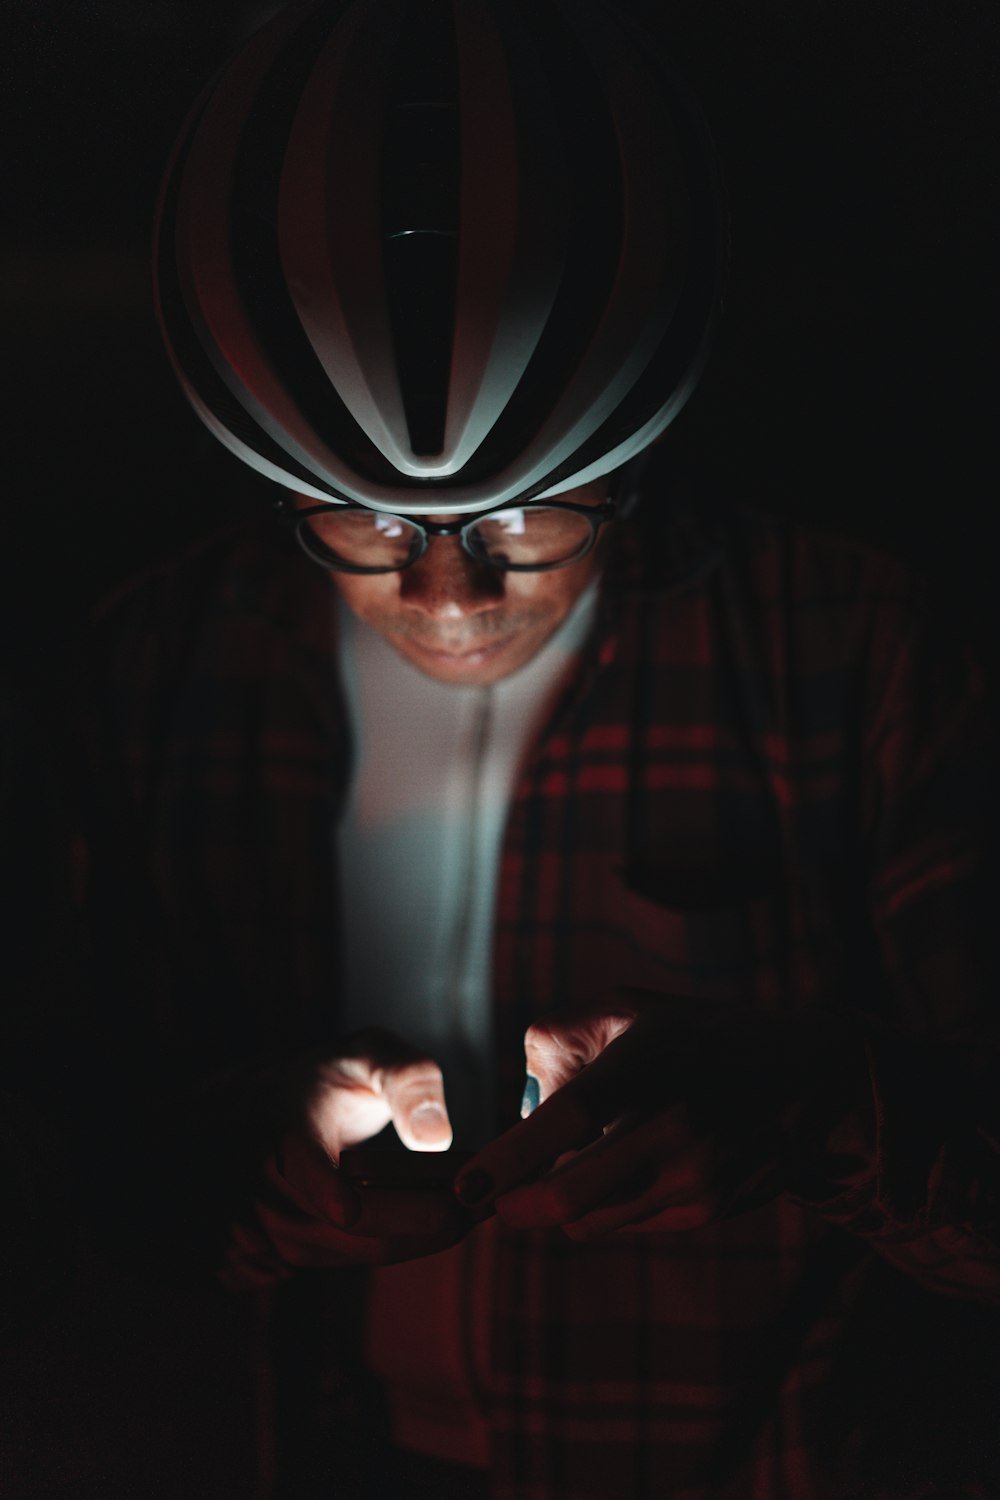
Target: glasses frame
x,y
597,515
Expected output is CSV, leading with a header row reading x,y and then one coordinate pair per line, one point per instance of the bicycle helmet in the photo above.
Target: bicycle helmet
x,y
433,255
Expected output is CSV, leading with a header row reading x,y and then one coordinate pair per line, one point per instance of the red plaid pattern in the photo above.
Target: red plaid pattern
x,y
766,786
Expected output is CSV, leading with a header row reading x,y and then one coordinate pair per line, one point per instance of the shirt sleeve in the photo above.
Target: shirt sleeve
x,y
917,1163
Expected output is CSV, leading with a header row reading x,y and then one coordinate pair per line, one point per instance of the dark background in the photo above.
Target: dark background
x,y
852,377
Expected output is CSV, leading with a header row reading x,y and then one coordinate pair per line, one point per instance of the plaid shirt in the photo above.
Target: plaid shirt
x,y
766,785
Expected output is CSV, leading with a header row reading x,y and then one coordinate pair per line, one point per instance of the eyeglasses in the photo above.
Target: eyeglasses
x,y
525,539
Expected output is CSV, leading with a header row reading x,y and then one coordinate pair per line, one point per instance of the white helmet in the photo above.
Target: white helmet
x,y
435,255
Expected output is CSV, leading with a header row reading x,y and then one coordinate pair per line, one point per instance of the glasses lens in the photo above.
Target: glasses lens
x,y
361,539
535,537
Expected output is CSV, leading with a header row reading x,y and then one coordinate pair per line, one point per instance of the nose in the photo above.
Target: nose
x,y
449,585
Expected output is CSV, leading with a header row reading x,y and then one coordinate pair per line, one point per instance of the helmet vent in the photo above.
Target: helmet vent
x,y
420,217
203,381
256,259
593,233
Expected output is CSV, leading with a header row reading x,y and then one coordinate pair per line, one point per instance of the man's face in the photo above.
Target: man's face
x,y
460,621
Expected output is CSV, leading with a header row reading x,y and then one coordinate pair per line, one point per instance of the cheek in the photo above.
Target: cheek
x,y
550,595
368,596
553,593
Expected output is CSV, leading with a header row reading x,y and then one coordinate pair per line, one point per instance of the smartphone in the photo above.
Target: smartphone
x,y
368,1166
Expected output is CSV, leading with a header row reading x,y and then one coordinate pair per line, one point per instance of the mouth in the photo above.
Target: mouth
x,y
464,656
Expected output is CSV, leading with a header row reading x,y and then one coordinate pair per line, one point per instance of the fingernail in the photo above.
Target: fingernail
x,y
428,1121
532,1096
474,1188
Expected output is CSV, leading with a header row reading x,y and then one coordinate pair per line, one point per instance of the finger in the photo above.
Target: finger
x,y
700,1183
718,1182
557,1049
301,1172
345,1109
376,1078
526,1151
346,1104
569,1119
414,1093
620,1168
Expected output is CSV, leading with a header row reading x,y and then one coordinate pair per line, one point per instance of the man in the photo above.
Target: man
x,y
680,807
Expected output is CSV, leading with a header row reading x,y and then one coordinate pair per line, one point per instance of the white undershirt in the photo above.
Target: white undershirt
x,y
419,844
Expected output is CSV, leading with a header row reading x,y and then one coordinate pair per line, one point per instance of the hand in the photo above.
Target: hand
x,y
649,1118
305,1213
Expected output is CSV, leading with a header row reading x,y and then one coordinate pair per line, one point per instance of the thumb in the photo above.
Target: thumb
x,y
558,1048
414,1094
